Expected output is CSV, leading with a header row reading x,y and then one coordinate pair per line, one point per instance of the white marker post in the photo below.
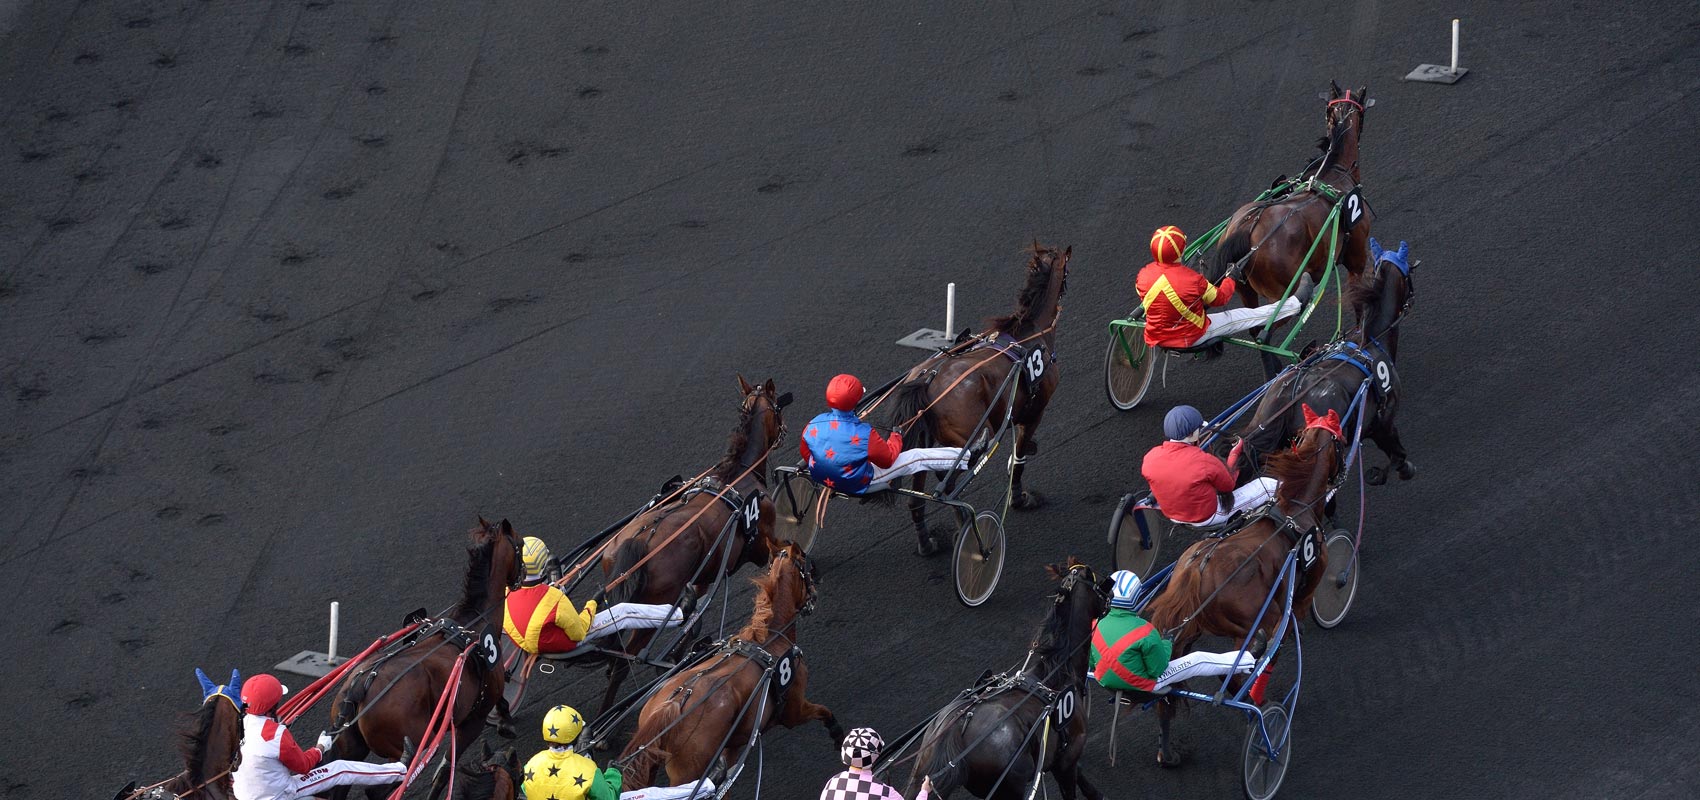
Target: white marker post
x,y
929,339
314,664
1435,73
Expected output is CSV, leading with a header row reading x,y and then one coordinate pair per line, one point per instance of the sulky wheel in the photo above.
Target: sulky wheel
x,y
1136,551
1128,366
1263,774
979,558
794,509
1339,584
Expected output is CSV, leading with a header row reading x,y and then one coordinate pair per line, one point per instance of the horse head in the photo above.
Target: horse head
x,y
803,590
1081,597
1345,116
1307,470
761,427
1385,298
493,560
208,740
491,776
1040,301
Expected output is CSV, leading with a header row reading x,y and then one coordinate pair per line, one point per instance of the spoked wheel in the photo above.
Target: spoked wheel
x,y
1339,584
1263,774
1128,366
794,510
1136,550
979,558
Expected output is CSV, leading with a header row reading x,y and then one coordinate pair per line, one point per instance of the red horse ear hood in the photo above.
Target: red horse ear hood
x,y
1329,422
843,392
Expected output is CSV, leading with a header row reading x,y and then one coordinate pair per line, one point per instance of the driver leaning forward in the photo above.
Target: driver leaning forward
x,y
1128,654
845,454
541,619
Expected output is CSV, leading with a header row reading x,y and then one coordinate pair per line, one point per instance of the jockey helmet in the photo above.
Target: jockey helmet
x,y
535,556
1181,422
861,748
1168,244
843,392
261,693
1124,585
561,725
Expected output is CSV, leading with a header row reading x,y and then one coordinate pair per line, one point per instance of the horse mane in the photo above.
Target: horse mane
x,y
730,464
759,630
1364,294
192,739
1038,277
1293,468
475,590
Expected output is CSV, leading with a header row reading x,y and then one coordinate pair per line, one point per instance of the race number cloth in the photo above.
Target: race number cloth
x,y
1127,652
540,618
859,784
265,773
925,459
1174,297
566,775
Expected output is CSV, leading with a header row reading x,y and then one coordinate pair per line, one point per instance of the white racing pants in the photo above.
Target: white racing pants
x,y
1255,493
331,775
909,462
683,792
1199,665
632,616
1240,320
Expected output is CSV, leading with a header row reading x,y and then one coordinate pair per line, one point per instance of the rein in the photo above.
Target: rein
x,y
904,426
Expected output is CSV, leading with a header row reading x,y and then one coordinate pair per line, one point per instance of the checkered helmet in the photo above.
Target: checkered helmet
x,y
861,747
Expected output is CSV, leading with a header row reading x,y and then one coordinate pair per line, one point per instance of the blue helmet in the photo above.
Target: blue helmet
x,y
1124,585
1181,421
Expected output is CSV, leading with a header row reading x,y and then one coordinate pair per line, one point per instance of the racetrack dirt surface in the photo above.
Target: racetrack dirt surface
x,y
290,292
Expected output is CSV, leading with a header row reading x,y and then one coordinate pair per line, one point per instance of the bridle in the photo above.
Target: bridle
x,y
1075,574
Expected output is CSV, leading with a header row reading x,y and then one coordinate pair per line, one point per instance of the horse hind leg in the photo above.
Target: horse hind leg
x,y
1167,754
1386,438
927,543
1026,446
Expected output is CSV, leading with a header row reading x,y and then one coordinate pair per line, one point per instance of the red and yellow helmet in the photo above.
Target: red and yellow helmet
x,y
1168,243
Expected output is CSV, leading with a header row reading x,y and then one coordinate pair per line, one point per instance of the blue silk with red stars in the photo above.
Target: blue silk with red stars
x,y
838,451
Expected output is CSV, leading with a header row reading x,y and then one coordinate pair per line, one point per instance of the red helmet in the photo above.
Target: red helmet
x,y
843,392
1168,244
260,693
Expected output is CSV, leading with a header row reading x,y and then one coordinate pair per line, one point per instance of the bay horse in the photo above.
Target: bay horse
x,y
1329,380
949,393
208,739
1219,584
1265,241
985,740
703,717
494,776
653,559
379,705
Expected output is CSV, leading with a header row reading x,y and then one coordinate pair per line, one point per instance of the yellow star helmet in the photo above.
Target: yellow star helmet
x,y
562,725
535,556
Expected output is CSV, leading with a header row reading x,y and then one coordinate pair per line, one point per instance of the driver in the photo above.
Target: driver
x,y
1175,297
861,748
274,767
561,773
845,454
1186,480
540,618
1129,655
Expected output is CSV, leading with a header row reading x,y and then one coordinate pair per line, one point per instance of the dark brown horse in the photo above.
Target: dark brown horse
x,y
703,717
951,393
653,559
987,740
1219,585
1265,241
208,740
494,776
1326,383
378,706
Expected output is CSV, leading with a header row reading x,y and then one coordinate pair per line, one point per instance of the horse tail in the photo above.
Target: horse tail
x,y
354,696
909,401
630,552
944,745
639,772
1235,245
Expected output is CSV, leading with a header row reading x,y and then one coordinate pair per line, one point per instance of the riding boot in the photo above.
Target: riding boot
x,y
687,601
1305,290
407,751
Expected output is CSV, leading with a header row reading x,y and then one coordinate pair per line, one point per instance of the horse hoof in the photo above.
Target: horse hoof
x,y
1407,470
1169,758
1375,476
930,545
1028,500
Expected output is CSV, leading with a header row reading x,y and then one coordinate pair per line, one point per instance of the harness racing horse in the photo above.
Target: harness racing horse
x,y
653,560
1219,585
495,776
382,703
952,393
705,717
988,740
208,739
1264,241
1329,380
